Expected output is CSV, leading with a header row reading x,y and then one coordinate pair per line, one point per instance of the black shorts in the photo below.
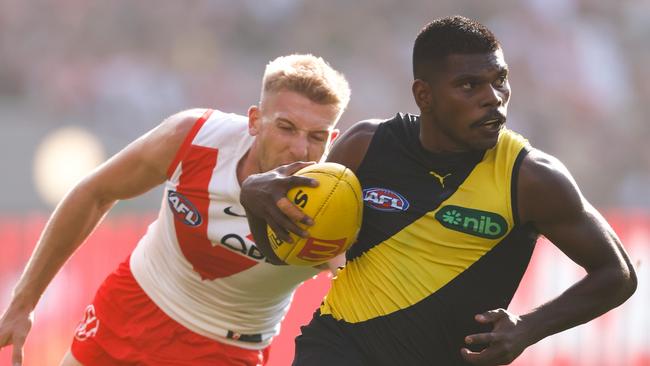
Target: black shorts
x,y
400,338
324,342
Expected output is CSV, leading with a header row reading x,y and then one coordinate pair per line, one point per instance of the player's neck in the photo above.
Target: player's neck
x,y
247,165
434,140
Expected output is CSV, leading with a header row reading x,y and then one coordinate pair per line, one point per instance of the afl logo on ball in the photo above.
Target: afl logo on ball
x,y
383,199
183,209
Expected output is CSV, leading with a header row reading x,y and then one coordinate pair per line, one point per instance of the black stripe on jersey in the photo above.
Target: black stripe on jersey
x,y
396,161
513,184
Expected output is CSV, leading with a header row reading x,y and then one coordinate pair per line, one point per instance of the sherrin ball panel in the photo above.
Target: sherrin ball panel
x,y
335,205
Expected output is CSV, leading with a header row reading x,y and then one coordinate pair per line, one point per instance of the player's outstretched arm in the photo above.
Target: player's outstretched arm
x,y
550,199
136,169
263,195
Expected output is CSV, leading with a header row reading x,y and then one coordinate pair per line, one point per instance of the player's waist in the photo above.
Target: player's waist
x,y
213,310
121,297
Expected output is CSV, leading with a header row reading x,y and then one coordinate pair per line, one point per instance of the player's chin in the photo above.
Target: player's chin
x,y
485,141
487,144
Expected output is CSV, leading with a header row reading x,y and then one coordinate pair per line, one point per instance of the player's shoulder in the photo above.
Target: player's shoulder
x,y
351,147
216,121
541,168
545,186
363,129
179,124
182,122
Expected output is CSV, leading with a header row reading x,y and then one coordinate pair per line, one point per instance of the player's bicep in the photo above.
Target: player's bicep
x,y
350,148
551,200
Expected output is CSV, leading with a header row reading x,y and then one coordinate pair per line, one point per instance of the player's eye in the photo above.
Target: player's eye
x,y
468,85
320,137
501,81
284,127
471,83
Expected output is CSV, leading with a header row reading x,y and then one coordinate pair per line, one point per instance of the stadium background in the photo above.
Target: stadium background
x,y
80,79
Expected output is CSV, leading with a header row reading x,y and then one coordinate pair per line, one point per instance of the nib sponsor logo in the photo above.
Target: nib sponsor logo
x,y
474,222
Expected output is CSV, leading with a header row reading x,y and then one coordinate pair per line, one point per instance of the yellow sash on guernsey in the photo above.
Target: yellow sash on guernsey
x,y
430,252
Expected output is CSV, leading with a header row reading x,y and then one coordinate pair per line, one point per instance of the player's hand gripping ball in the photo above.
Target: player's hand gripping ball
x,y
335,205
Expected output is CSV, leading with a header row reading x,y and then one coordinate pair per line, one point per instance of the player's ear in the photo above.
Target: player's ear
x,y
254,120
422,94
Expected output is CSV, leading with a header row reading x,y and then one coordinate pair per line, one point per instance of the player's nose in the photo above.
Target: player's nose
x,y
299,148
493,97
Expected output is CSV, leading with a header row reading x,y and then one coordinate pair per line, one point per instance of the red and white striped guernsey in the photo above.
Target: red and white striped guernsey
x,y
197,261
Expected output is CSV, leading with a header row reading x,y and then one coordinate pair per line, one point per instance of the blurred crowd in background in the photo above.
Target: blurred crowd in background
x,y
579,73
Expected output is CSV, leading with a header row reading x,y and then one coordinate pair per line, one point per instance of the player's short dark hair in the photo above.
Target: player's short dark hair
x,y
449,35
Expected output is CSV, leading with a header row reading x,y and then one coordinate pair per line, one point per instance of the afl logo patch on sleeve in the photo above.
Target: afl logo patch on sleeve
x,y
383,199
183,209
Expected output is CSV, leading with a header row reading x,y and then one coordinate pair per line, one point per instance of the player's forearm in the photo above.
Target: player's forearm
x,y
597,293
70,224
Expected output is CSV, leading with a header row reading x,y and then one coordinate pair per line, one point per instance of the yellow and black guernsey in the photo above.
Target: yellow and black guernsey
x,y
440,242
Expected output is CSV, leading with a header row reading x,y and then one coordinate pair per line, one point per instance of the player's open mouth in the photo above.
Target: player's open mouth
x,y
493,124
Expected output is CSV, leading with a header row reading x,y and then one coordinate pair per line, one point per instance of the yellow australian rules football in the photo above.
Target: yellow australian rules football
x,y
335,205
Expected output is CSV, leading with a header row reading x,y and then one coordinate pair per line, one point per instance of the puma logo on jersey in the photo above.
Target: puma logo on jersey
x,y
183,209
441,178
